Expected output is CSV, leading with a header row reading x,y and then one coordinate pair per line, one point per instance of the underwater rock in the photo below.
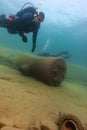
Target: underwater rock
x,y
50,70
48,125
5,122
35,124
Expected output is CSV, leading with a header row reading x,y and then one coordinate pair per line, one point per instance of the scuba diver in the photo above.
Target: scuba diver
x,y
63,54
25,21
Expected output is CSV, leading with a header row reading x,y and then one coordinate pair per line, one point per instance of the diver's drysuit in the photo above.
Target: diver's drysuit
x,y
23,22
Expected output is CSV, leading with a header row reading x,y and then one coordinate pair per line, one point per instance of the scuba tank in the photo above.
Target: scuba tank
x,y
30,9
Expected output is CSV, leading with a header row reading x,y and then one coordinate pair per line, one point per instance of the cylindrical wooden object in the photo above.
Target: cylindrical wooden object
x,y
47,69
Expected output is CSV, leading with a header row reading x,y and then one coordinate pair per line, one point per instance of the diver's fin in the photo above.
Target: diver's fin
x,y
64,54
2,17
3,21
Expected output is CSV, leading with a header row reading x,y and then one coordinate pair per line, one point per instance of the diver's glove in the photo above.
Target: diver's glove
x,y
33,49
24,38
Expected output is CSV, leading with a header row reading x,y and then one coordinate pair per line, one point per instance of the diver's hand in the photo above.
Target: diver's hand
x,y
33,49
24,39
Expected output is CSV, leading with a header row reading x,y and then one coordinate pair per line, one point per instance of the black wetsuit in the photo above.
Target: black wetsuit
x,y
21,26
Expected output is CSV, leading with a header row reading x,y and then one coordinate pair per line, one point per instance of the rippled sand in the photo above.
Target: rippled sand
x,y
22,98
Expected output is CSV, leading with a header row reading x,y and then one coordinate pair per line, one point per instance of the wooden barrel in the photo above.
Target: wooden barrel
x,y
50,70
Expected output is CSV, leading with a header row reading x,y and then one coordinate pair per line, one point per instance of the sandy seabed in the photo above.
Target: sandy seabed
x,y
24,98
